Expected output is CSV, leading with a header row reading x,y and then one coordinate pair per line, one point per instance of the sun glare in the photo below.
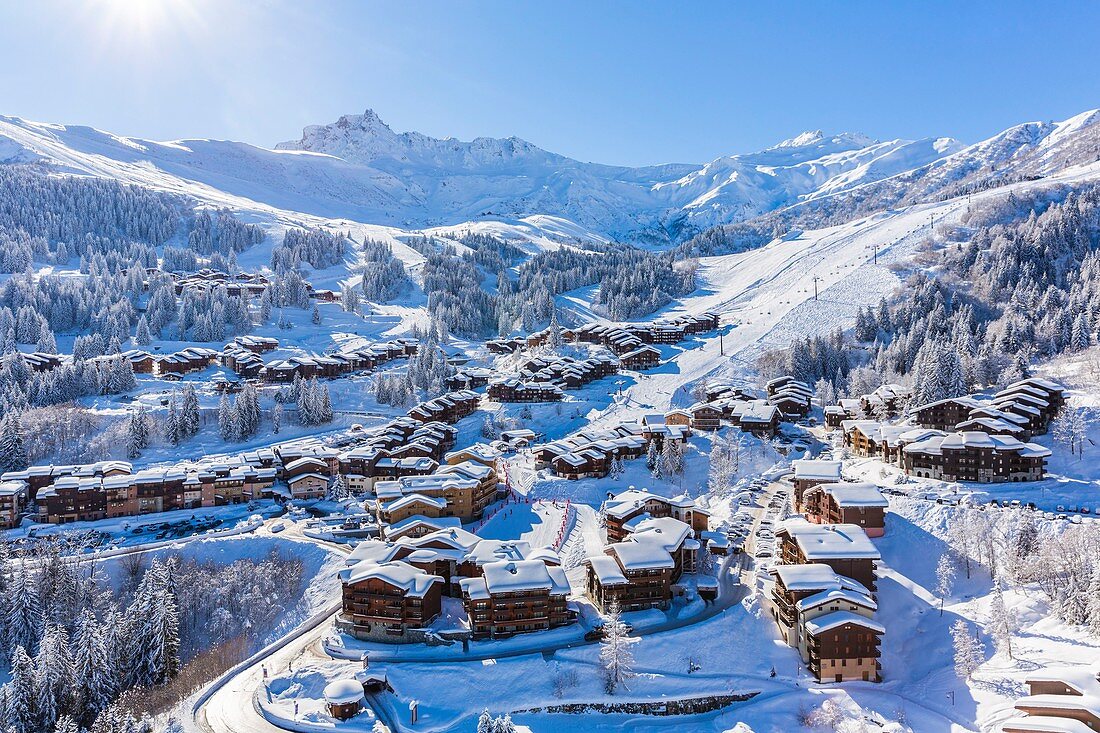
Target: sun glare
x,y
126,23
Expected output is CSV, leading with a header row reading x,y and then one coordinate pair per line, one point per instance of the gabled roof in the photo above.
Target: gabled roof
x,y
832,620
829,541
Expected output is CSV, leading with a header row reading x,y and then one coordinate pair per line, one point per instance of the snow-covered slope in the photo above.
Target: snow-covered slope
x,y
1026,151
513,178
358,168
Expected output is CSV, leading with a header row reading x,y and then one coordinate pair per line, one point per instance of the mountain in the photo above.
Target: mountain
x,y
510,177
359,169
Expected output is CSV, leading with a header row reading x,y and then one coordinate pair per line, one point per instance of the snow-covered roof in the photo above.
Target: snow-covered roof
x,y
1045,724
832,620
758,411
642,555
965,401
414,581
607,570
411,500
852,494
488,551
666,532
343,692
807,577
510,576
809,468
829,541
836,595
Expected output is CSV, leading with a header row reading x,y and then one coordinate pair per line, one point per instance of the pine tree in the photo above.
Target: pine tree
x,y
137,437
23,613
66,724
227,419
485,722
324,405
156,641
616,659
338,490
173,429
47,344
555,339
91,668
672,458
189,420
143,336
53,675
651,456
21,715
13,450
277,418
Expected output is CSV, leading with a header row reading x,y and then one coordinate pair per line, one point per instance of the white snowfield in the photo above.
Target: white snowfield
x,y
359,170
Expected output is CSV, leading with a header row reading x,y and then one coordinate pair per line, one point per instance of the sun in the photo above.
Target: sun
x,y
141,22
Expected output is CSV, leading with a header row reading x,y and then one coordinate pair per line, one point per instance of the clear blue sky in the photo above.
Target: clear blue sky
x,y
616,82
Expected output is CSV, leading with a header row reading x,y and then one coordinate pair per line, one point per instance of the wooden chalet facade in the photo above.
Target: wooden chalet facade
x,y
516,596
859,504
975,456
845,548
386,601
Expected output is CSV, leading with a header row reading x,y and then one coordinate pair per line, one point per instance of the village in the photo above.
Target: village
x,y
434,568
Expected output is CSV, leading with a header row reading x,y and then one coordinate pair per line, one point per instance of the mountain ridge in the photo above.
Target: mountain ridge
x,y
361,169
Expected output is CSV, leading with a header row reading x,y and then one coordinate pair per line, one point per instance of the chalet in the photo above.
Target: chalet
x,y
843,547
257,344
861,504
39,361
976,456
515,390
993,426
885,401
582,464
835,415
307,485
757,417
634,505
829,619
343,698
516,596
681,418
13,500
193,359
774,385
142,362
809,472
792,399
411,505
645,357
384,601
418,526
704,416
478,453
894,438
468,378
863,437
1060,700
635,575
944,414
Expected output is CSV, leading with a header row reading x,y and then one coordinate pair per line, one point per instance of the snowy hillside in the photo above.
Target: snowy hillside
x,y
358,168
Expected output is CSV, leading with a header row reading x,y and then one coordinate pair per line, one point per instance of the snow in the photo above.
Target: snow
x,y
342,692
821,624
